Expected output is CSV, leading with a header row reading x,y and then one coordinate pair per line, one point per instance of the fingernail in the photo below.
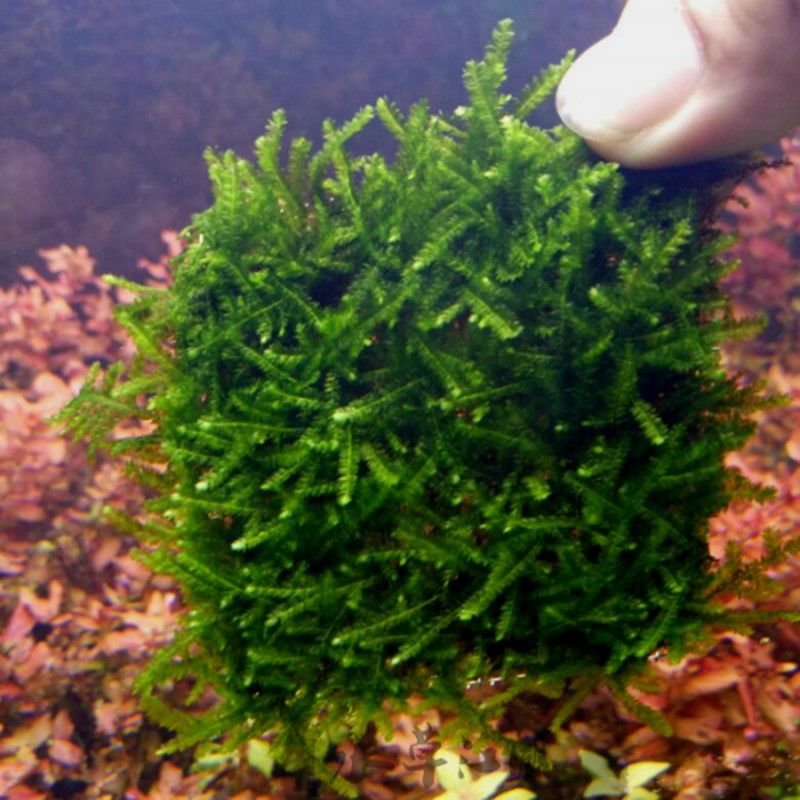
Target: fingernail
x,y
634,78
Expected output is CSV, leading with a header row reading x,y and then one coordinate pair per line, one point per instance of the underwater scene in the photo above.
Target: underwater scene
x,y
399,400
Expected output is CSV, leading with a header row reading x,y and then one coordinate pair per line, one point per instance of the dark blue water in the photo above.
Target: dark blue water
x,y
106,105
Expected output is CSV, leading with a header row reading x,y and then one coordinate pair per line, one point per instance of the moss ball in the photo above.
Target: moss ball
x,y
454,414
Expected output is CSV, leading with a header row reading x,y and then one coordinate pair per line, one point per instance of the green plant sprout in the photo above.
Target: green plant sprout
x,y
629,784
455,415
212,758
455,778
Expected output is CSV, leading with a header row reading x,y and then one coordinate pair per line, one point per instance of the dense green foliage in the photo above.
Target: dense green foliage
x,y
452,415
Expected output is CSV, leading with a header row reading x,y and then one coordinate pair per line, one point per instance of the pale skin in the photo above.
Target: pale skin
x,y
681,81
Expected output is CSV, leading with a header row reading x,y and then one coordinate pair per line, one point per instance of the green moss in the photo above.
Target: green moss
x,y
452,415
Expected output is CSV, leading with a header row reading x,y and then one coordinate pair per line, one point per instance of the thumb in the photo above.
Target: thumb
x,y
686,80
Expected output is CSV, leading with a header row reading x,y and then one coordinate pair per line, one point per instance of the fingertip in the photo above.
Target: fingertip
x,y
632,81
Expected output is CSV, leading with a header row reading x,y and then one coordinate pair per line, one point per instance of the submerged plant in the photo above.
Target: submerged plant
x,y
455,777
453,415
629,784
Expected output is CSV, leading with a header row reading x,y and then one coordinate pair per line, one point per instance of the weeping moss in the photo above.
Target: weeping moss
x,y
451,415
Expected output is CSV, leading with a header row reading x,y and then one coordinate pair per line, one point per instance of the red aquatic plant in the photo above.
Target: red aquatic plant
x,y
77,613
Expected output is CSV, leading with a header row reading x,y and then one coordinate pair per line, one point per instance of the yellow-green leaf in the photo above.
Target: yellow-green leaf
x,y
451,771
260,757
605,787
640,793
487,785
596,765
516,794
640,773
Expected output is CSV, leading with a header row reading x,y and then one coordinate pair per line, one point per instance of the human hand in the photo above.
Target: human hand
x,y
679,81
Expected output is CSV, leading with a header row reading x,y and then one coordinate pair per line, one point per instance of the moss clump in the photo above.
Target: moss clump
x,y
454,415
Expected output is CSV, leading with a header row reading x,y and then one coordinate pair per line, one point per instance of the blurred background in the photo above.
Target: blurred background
x,y
106,106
